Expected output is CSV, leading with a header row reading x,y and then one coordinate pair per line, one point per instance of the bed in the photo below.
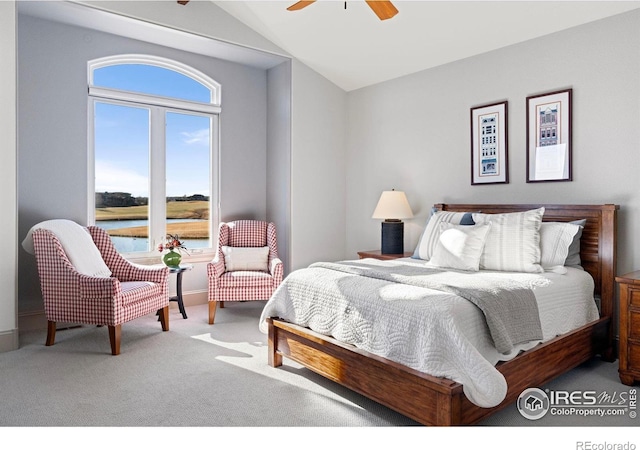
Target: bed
x,y
440,400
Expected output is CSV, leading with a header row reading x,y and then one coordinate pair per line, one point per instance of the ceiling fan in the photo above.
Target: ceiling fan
x,y
384,9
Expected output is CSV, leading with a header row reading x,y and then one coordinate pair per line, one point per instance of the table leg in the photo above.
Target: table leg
x,y
178,297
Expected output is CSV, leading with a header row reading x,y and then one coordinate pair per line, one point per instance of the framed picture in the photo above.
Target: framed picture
x,y
549,137
489,163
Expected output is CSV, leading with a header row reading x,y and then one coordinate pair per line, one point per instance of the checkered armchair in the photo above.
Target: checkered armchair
x,y
242,279
130,292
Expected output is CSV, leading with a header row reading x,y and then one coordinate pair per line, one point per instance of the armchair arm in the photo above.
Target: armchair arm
x,y
276,268
140,272
99,287
215,268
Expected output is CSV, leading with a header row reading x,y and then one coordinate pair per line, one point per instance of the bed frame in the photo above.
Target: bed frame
x,y
439,401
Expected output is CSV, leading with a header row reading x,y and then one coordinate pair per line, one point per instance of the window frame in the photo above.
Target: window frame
x,y
158,107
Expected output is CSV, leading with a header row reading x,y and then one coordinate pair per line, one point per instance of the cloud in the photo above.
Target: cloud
x,y
113,178
196,137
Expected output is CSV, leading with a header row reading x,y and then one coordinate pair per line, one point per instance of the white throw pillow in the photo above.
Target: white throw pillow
x,y
77,244
459,246
513,242
431,233
555,241
246,258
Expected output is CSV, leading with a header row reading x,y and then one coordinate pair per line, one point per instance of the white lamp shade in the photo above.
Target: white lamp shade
x,y
392,205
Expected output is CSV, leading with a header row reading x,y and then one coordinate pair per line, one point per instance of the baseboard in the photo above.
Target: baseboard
x,y
32,321
36,320
9,341
193,298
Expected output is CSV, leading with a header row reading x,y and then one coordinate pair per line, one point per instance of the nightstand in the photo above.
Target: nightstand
x,y
629,369
378,255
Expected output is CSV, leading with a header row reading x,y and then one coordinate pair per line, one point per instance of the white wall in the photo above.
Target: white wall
x,y
412,133
8,200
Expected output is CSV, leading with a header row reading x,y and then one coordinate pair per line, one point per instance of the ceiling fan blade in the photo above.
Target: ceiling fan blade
x,y
183,2
299,5
383,9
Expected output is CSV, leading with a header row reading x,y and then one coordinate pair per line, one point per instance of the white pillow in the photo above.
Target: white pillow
x,y
77,244
513,242
555,241
246,258
431,233
460,246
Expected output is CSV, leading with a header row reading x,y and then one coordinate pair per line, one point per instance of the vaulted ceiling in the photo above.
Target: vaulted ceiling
x,y
348,44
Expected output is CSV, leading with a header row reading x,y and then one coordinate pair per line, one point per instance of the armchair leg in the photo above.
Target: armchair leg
x,y
51,332
164,318
212,311
114,338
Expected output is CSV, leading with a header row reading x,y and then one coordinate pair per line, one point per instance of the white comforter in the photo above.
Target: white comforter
x,y
431,331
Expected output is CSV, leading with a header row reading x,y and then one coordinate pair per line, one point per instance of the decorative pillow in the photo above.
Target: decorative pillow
x,y
246,258
555,240
573,257
459,246
77,244
513,242
429,238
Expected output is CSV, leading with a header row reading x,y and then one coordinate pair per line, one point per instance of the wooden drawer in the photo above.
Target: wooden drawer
x,y
634,297
634,325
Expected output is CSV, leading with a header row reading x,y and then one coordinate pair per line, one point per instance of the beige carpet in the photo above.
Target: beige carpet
x,y
203,376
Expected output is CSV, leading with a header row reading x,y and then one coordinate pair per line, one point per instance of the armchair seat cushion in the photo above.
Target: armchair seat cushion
x,y
135,291
246,279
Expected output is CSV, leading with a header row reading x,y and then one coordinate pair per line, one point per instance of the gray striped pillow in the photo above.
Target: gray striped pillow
x,y
431,233
513,242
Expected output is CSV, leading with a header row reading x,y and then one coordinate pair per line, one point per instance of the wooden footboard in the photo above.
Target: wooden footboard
x,y
438,401
426,399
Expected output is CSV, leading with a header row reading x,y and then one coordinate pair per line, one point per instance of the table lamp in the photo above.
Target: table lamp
x,y
392,207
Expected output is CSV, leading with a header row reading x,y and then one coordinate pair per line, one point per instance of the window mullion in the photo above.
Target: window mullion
x,y
157,188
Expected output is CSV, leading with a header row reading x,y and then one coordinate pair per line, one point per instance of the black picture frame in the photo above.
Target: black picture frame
x,y
549,147
489,144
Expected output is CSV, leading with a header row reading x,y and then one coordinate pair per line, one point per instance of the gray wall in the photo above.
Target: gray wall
x,y
279,156
52,152
412,133
318,169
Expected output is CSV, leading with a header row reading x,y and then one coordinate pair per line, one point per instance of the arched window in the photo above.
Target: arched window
x,y
153,133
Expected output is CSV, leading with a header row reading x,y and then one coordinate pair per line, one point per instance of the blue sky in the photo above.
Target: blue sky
x,y
122,134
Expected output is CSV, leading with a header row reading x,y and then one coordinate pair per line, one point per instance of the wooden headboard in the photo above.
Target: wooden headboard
x,y
597,245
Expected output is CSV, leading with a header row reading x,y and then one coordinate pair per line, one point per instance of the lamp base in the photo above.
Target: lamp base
x,y
392,237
